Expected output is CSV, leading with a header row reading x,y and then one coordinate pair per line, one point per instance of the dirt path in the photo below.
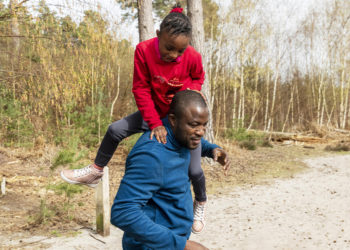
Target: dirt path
x,y
310,211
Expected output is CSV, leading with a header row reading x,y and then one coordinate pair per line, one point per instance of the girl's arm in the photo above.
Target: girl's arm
x,y
142,91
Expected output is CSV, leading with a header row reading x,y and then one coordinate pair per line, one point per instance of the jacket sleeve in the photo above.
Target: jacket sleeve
x,y
143,177
197,73
207,148
142,90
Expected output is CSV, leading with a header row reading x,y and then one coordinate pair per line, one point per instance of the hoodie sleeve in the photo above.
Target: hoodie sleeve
x,y
142,90
143,177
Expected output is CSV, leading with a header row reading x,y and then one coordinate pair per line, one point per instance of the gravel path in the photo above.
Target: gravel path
x,y
310,211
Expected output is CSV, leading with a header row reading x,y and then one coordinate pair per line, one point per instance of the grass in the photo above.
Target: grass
x,y
43,215
340,147
67,189
246,139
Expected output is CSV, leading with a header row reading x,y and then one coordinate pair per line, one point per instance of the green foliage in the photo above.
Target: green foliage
x,y
44,214
67,189
15,126
247,139
62,80
63,157
248,144
129,142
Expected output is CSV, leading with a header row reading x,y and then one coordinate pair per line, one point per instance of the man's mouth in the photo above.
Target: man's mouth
x,y
196,140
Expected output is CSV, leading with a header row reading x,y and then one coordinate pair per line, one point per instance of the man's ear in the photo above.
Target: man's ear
x,y
158,33
172,120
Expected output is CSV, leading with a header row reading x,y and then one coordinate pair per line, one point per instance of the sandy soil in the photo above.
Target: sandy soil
x,y
309,211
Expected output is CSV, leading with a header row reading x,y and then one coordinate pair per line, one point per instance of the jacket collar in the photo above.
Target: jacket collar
x,y
171,141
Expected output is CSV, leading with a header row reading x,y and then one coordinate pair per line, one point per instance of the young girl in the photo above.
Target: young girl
x,y
163,66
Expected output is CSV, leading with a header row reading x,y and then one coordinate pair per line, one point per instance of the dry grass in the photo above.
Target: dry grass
x,y
32,207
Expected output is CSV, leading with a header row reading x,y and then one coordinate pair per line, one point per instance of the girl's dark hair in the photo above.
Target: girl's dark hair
x,y
176,23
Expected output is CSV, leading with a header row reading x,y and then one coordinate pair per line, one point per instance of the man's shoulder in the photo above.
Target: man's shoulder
x,y
147,149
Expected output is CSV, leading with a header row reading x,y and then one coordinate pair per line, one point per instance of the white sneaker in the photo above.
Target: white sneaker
x,y
88,175
198,217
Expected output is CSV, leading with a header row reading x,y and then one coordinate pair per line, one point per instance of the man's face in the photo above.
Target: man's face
x,y
171,46
190,127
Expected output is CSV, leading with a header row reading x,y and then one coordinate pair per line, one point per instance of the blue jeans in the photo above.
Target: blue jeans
x,y
133,124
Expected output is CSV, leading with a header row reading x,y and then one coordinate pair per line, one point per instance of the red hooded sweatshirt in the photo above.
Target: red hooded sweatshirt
x,y
156,82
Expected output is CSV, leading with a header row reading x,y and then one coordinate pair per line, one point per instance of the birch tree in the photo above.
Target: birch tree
x,y
195,14
145,18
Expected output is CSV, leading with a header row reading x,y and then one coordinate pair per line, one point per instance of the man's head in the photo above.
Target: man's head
x,y
188,117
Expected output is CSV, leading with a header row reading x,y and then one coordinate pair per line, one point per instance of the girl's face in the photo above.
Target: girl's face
x,y
171,46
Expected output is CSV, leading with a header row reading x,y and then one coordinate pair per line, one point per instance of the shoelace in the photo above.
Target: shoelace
x,y
82,172
199,212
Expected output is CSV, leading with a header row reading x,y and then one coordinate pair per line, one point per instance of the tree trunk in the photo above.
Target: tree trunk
x,y
267,100
319,102
195,14
15,26
234,116
254,98
145,18
16,42
273,101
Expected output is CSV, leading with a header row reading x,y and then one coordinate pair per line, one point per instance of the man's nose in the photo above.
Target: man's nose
x,y
200,131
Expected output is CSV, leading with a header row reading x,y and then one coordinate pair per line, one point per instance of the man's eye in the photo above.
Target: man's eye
x,y
169,48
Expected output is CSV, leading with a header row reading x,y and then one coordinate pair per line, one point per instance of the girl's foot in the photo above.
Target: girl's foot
x,y
88,175
198,216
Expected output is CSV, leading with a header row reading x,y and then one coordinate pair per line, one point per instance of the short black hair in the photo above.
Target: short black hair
x,y
176,23
185,98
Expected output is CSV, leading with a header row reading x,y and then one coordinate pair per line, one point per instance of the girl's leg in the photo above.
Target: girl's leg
x,y
197,177
116,132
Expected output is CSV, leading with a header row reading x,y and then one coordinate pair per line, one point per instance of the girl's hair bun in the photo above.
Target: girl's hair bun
x,y
176,9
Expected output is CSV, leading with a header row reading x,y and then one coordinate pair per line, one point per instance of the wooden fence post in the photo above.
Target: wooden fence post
x,y
102,205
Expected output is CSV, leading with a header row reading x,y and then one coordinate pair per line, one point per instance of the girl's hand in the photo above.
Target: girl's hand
x,y
160,134
221,156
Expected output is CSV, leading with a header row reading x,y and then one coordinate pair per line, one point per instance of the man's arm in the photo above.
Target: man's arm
x,y
143,177
217,153
207,148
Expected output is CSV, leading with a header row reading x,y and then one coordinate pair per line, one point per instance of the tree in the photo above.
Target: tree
x,y
145,18
195,14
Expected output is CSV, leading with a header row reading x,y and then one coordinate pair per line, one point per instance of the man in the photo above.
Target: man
x,y
154,205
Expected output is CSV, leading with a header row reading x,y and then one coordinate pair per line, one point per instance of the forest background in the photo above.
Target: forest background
x,y
63,82
65,78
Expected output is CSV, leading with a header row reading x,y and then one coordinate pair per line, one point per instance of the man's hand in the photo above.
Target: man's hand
x,y
221,156
192,245
160,134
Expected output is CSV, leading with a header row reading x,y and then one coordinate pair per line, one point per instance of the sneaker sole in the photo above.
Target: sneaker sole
x,y
76,182
195,232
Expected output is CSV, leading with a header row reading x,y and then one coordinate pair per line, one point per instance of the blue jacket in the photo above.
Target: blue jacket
x,y
153,205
